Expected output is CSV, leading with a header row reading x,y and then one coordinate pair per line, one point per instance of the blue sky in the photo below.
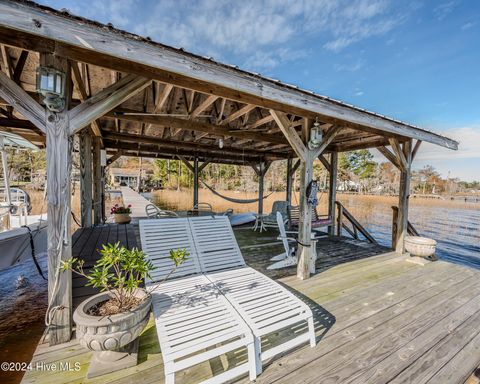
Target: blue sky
x,y
417,61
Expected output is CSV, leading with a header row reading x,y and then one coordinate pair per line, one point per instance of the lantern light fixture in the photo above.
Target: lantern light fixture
x,y
220,143
316,135
51,85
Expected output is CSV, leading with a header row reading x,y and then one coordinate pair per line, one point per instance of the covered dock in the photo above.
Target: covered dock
x,y
120,94
379,318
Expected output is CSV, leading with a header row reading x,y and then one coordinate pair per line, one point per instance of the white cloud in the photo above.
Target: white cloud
x,y
253,33
444,9
469,146
467,25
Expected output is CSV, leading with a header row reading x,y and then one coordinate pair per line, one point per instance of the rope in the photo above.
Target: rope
x,y
231,199
32,247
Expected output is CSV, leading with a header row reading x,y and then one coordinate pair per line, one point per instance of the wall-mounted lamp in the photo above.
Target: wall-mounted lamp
x,y
220,143
316,135
51,85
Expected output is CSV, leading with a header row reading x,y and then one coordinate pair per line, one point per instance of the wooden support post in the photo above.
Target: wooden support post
x,y
332,193
288,195
195,181
394,226
339,219
97,182
86,177
59,163
403,197
261,169
291,169
305,223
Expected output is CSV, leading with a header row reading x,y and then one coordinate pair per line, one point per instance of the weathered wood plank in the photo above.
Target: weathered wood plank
x,y
86,178
290,134
403,196
98,105
88,43
332,190
22,102
59,162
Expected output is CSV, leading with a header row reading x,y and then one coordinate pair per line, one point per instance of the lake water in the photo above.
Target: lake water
x,y
454,224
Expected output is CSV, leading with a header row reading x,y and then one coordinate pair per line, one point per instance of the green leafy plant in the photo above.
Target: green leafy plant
x,y
121,271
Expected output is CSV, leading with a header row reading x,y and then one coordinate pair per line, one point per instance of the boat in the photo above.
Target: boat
x,y
22,235
242,218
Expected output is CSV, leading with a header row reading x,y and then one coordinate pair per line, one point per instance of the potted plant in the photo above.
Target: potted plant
x,y
110,322
121,214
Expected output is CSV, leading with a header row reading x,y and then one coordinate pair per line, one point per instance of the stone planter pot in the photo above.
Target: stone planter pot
x,y
420,246
122,218
113,339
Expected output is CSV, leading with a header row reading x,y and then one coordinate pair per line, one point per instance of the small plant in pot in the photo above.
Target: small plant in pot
x,y
110,322
121,214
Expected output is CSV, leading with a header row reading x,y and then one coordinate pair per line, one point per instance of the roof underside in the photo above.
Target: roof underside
x,y
191,105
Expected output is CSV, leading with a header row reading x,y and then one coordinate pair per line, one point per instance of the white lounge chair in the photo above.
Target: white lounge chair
x,y
194,321
289,258
265,305
153,212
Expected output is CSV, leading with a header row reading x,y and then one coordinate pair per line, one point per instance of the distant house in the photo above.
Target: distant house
x,y
121,177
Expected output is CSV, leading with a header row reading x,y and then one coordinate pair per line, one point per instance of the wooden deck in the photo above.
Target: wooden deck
x,y
86,242
136,201
380,319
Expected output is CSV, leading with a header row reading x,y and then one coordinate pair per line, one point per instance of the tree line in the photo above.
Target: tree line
x,y
357,172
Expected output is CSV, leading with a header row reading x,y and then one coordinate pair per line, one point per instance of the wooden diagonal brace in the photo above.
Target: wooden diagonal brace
x,y
402,160
390,156
290,133
104,101
22,102
327,139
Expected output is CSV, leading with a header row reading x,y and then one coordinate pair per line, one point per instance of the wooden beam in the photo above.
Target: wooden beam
x,y
114,157
290,134
7,61
403,197
126,137
59,163
260,122
305,223
402,161
390,156
332,191
416,148
186,163
22,102
203,105
327,139
235,115
80,85
106,100
190,125
109,48
162,97
17,73
97,182
203,165
85,177
324,161
291,168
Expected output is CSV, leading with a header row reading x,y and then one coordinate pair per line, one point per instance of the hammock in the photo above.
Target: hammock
x,y
231,199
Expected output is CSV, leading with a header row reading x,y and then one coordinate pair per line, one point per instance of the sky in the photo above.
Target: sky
x,y
417,61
